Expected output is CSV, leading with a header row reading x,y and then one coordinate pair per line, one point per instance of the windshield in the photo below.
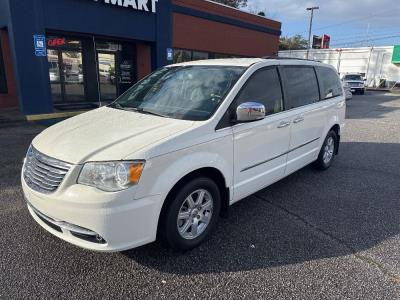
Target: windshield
x,y
353,77
186,93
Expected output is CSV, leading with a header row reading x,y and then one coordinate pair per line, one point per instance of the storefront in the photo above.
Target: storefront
x,y
58,58
87,71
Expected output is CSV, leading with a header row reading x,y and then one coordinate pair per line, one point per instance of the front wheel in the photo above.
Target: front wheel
x,y
328,151
191,214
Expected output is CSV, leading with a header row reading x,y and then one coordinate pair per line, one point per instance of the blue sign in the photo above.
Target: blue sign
x,y
40,45
170,54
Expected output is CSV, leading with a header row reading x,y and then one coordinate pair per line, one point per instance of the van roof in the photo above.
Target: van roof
x,y
240,62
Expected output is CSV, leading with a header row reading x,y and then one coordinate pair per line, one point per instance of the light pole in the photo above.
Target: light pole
x,y
310,29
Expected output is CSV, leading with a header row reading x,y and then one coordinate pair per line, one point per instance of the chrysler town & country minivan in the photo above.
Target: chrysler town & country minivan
x,y
170,155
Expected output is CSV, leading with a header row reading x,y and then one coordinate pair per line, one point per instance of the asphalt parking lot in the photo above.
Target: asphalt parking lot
x,y
329,235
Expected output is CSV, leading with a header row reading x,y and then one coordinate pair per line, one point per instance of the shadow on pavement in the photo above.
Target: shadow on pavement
x,y
311,215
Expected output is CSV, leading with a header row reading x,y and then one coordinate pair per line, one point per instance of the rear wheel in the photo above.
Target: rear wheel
x,y
191,215
328,151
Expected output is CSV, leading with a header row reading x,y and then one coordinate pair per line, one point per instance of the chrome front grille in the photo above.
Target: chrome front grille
x,y
42,173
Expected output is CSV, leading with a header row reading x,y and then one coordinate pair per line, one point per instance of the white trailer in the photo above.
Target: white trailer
x,y
374,63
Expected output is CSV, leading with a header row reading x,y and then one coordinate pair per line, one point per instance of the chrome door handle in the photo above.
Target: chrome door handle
x,y
283,124
298,120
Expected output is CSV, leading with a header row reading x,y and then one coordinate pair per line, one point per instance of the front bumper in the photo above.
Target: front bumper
x,y
96,220
357,89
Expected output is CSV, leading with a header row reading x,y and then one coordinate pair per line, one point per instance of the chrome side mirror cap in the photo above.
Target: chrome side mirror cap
x,y
250,111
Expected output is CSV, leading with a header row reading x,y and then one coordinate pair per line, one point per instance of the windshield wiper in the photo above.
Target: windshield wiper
x,y
136,109
143,111
147,112
116,105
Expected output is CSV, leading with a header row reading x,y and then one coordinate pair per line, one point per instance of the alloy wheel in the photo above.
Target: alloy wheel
x,y
195,214
329,150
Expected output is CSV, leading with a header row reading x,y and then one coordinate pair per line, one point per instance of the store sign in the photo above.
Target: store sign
x,y
142,5
126,71
56,42
170,54
40,45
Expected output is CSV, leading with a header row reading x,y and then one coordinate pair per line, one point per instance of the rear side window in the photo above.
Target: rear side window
x,y
301,86
263,87
329,83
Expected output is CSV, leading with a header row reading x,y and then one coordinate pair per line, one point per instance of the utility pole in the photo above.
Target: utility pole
x,y
310,29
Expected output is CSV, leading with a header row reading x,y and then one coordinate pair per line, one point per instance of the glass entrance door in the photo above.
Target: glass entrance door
x,y
107,76
72,76
86,72
66,71
54,74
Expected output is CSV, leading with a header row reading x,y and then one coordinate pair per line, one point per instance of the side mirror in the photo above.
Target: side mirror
x,y
250,111
348,93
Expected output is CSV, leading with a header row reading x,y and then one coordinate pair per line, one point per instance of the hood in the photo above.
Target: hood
x,y
105,134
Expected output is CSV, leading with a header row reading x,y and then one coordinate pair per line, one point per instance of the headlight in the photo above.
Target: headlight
x,y
111,176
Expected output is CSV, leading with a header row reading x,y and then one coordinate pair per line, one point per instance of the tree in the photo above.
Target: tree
x,y
233,3
296,42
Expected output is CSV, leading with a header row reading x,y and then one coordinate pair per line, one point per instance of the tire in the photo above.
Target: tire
x,y
182,234
328,151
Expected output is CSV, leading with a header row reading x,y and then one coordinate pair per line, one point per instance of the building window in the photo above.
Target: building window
x,y
197,55
184,55
221,55
3,81
181,55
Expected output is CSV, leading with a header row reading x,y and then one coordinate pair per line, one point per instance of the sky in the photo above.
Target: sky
x,y
350,23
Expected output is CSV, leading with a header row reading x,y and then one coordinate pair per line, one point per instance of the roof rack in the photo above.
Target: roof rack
x,y
283,57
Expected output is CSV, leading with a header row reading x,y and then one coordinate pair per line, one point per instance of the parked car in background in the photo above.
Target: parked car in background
x,y
174,151
355,82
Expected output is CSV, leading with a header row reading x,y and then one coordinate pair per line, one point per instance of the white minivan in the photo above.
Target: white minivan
x,y
170,155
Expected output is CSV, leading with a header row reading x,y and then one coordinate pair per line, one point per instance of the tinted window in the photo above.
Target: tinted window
x,y
3,82
263,87
329,83
301,87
